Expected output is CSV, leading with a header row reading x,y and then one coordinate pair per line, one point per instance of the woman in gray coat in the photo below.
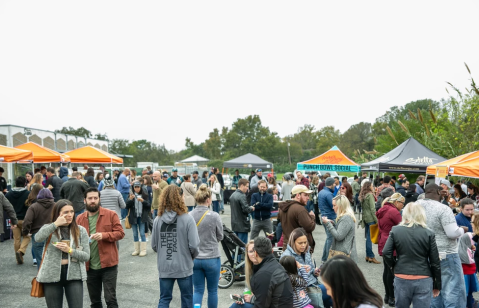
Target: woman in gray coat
x,y
63,269
343,230
189,192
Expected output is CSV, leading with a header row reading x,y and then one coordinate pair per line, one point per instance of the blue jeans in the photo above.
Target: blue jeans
x,y
186,290
124,212
216,206
222,202
155,213
208,269
327,244
279,231
327,300
245,305
369,244
139,225
453,292
417,292
243,236
38,250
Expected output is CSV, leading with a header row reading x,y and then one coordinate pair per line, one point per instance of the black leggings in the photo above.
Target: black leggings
x,y
73,291
388,280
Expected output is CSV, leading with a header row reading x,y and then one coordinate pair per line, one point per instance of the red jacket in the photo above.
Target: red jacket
x,y
388,217
108,224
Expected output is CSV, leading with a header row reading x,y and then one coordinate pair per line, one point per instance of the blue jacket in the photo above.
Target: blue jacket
x,y
262,211
463,221
304,259
63,174
325,203
123,184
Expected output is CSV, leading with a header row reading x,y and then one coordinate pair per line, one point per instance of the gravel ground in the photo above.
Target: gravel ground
x,y
138,284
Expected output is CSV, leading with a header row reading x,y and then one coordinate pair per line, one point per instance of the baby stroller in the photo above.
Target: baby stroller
x,y
232,270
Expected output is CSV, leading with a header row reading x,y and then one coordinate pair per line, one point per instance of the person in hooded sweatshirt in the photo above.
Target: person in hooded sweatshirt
x,y
175,239
38,214
63,174
17,197
411,194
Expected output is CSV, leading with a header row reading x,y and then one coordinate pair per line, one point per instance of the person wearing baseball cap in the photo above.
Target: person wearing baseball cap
x,y
293,214
175,178
325,204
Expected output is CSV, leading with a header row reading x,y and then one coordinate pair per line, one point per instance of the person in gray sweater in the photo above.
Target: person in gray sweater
x,y
175,239
344,232
111,198
208,262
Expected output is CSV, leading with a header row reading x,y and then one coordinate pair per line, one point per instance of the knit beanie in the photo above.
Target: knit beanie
x,y
45,193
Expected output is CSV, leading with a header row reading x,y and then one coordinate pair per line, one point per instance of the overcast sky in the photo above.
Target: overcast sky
x,y
167,70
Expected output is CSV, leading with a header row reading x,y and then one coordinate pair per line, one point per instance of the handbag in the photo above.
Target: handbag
x,y
374,233
37,287
333,252
127,221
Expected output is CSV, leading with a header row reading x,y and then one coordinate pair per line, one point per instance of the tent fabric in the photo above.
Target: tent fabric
x,y
13,155
42,154
195,159
89,154
331,160
432,169
467,168
248,161
409,157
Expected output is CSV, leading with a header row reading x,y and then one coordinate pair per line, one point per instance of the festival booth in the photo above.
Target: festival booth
x,y
469,160
13,155
42,154
91,155
246,161
332,160
193,163
408,157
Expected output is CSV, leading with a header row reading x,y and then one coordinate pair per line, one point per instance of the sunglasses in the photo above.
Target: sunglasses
x,y
259,170
342,187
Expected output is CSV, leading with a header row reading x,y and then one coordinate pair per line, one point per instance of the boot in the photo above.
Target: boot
x,y
143,249
367,259
137,249
373,260
386,299
392,302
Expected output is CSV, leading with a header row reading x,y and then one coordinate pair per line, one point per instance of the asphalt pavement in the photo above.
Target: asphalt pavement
x,y
138,284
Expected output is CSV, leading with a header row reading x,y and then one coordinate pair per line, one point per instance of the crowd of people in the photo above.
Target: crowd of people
x,y
426,236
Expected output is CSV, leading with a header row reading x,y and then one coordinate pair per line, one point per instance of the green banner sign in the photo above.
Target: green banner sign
x,y
337,168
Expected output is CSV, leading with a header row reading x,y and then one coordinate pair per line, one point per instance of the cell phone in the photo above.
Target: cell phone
x,y
237,298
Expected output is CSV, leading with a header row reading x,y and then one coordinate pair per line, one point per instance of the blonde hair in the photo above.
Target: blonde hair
x,y
344,207
315,180
248,266
413,214
475,222
202,194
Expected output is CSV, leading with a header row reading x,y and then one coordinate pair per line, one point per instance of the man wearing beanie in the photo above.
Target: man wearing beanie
x,y
325,203
38,214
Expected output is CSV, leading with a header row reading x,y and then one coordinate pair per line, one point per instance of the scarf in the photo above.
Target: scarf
x,y
138,206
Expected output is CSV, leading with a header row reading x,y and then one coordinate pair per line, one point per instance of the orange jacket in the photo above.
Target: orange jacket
x,y
108,224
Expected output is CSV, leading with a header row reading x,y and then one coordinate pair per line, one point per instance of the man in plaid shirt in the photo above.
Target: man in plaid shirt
x,y
386,184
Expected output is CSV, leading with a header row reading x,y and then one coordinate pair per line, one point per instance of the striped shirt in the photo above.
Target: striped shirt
x,y
300,297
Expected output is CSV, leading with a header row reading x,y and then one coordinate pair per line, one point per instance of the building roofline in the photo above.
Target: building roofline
x,y
49,131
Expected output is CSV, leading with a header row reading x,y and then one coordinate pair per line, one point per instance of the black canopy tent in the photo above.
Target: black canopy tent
x,y
409,157
248,161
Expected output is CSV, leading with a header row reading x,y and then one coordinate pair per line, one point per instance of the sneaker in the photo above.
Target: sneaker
x,y
34,262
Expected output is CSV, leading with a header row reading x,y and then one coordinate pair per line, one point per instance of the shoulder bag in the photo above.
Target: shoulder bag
x,y
333,252
127,221
201,219
374,233
37,287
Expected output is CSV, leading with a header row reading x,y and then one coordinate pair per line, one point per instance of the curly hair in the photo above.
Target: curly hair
x,y
171,200
366,189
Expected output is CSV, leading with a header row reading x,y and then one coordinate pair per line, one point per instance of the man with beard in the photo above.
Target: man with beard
x,y
104,228
262,203
293,214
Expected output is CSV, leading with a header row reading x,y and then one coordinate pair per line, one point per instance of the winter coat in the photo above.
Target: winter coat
x,y
17,198
401,190
344,236
325,203
74,190
145,214
369,210
240,210
292,215
6,206
388,217
63,174
189,192
38,214
57,183
263,203
307,260
215,190
411,196
91,181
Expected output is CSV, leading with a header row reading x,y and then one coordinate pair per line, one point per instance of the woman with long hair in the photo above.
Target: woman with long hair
x,y
29,178
90,178
288,185
346,284
174,226
298,247
208,262
389,215
366,197
147,182
99,177
342,229
132,176
36,180
459,194
32,197
189,192
347,190
417,268
139,210
67,249
215,188
250,261
475,238
472,191
204,177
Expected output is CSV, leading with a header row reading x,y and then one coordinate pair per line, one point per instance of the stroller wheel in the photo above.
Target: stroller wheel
x,y
227,277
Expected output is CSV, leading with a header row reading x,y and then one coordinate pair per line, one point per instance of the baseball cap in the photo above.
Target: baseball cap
x,y
137,184
174,170
259,170
447,183
402,176
300,189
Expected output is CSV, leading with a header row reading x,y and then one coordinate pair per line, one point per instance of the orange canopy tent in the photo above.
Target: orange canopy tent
x,y
432,168
12,155
42,154
466,168
91,155
332,160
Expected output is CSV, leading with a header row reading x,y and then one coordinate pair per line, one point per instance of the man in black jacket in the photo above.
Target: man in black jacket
x,y
240,209
263,203
54,183
270,283
17,197
74,190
